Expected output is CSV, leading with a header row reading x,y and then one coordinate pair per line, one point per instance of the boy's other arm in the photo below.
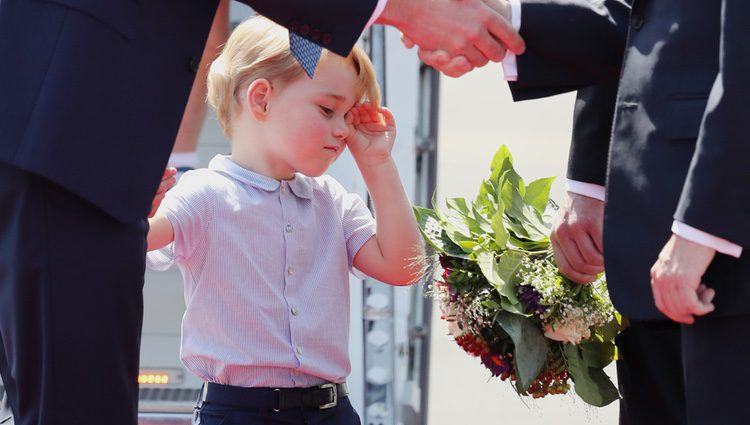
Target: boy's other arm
x,y
160,232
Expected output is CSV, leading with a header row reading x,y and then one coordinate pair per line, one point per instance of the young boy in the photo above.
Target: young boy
x,y
265,241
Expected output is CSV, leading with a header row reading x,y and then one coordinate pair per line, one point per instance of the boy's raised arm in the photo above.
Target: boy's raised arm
x,y
395,255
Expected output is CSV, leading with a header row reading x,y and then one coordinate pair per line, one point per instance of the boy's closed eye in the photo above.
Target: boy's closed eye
x,y
326,111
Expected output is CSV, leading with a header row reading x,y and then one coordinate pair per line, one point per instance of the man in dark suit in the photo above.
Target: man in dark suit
x,y
91,97
667,84
676,193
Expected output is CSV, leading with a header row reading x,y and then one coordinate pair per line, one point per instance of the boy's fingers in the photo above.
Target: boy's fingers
x,y
390,120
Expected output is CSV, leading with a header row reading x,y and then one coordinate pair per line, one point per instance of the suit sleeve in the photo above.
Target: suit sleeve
x,y
592,130
569,45
334,24
716,195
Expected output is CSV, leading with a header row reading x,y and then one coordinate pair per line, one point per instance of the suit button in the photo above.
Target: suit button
x,y
327,39
315,34
194,63
636,21
304,30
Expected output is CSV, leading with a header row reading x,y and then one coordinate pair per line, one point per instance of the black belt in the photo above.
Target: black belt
x,y
321,397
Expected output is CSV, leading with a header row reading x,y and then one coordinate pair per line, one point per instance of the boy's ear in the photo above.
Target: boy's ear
x,y
257,97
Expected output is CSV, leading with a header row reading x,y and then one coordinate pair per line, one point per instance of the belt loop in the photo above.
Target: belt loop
x,y
276,402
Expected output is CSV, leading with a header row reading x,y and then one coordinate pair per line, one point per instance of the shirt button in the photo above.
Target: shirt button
x,y
295,312
299,350
290,270
283,189
289,228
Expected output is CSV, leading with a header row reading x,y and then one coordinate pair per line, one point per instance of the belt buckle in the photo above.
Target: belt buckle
x,y
334,392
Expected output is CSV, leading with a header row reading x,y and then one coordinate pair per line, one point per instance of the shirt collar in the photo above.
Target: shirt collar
x,y
301,185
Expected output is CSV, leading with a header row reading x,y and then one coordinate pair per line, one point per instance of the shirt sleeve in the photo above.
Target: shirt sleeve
x,y
706,239
591,190
185,206
357,221
510,67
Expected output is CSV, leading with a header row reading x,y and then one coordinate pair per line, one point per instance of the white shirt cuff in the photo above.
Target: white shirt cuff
x,y
376,13
510,67
586,189
706,239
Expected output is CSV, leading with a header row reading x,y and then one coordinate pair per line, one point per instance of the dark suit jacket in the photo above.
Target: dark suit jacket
x,y
92,91
677,150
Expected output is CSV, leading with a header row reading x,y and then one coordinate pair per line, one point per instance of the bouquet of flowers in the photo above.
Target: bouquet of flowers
x,y
504,299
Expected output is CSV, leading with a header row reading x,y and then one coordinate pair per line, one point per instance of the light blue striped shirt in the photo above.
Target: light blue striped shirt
x,y
266,268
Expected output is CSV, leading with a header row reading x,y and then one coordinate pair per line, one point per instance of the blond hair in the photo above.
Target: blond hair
x,y
259,48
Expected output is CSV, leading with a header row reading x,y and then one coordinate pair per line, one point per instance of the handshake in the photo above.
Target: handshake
x,y
455,36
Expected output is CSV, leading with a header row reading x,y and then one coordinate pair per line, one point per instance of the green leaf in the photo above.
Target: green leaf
x,y
516,308
609,331
433,233
458,204
484,221
524,215
485,201
598,354
498,229
502,161
468,245
455,227
492,304
537,193
591,384
531,347
501,273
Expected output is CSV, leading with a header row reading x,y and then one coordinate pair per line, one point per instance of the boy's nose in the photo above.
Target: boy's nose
x,y
341,131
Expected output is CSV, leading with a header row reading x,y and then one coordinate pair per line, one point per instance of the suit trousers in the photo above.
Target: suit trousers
x,y
673,374
71,305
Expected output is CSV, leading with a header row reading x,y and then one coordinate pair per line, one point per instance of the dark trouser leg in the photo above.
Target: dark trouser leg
x,y
717,370
650,374
71,305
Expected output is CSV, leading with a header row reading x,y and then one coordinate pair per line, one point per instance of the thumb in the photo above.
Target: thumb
x,y
408,43
701,307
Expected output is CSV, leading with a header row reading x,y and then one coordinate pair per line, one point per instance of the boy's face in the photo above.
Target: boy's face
x,y
307,118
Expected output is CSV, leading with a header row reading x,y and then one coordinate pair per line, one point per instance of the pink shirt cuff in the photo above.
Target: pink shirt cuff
x,y
706,239
510,67
376,13
586,189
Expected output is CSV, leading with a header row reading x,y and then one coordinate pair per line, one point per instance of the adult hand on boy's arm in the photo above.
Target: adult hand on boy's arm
x,y
160,231
167,181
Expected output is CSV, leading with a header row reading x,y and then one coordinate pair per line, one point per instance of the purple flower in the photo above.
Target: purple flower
x,y
497,364
532,299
